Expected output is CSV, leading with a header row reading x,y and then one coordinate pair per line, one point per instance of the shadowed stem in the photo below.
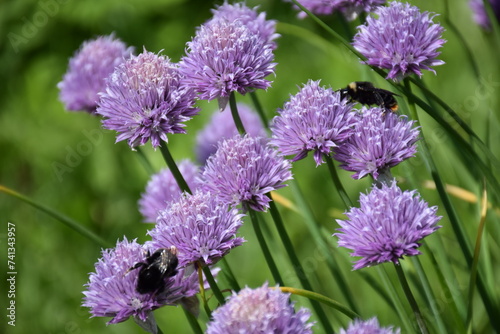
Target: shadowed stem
x,y
236,115
173,168
411,299
299,270
58,216
259,109
336,181
195,326
144,161
265,249
226,269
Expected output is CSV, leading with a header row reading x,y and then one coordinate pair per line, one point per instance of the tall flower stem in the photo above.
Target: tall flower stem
x,y
173,168
195,326
236,115
226,269
431,298
74,225
331,256
265,249
213,285
299,270
260,110
144,160
336,181
490,305
396,301
411,299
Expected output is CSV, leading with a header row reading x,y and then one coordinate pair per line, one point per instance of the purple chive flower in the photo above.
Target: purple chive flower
x,y
315,119
349,8
200,226
402,40
380,141
256,22
244,170
88,68
162,188
479,12
260,310
145,99
370,326
111,290
388,225
222,126
226,56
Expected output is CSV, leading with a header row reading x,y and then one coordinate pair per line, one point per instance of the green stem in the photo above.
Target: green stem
x,y
490,306
322,299
461,39
195,326
299,271
321,241
265,249
173,168
158,330
259,109
213,285
236,115
79,228
475,260
431,298
226,269
411,299
396,301
144,160
336,181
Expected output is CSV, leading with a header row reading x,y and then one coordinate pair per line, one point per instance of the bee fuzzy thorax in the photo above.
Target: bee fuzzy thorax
x,y
365,92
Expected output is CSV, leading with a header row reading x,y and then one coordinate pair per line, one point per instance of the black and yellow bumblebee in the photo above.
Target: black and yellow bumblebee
x,y
156,268
365,93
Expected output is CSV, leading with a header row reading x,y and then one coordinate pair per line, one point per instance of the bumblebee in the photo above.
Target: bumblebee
x,y
158,266
365,93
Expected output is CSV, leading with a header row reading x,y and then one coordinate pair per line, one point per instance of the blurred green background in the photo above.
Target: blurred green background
x,y
103,181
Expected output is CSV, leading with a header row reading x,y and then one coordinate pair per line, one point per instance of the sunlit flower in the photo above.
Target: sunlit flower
x,y
260,310
201,226
255,21
244,170
145,100
389,224
400,39
226,56
316,119
380,141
